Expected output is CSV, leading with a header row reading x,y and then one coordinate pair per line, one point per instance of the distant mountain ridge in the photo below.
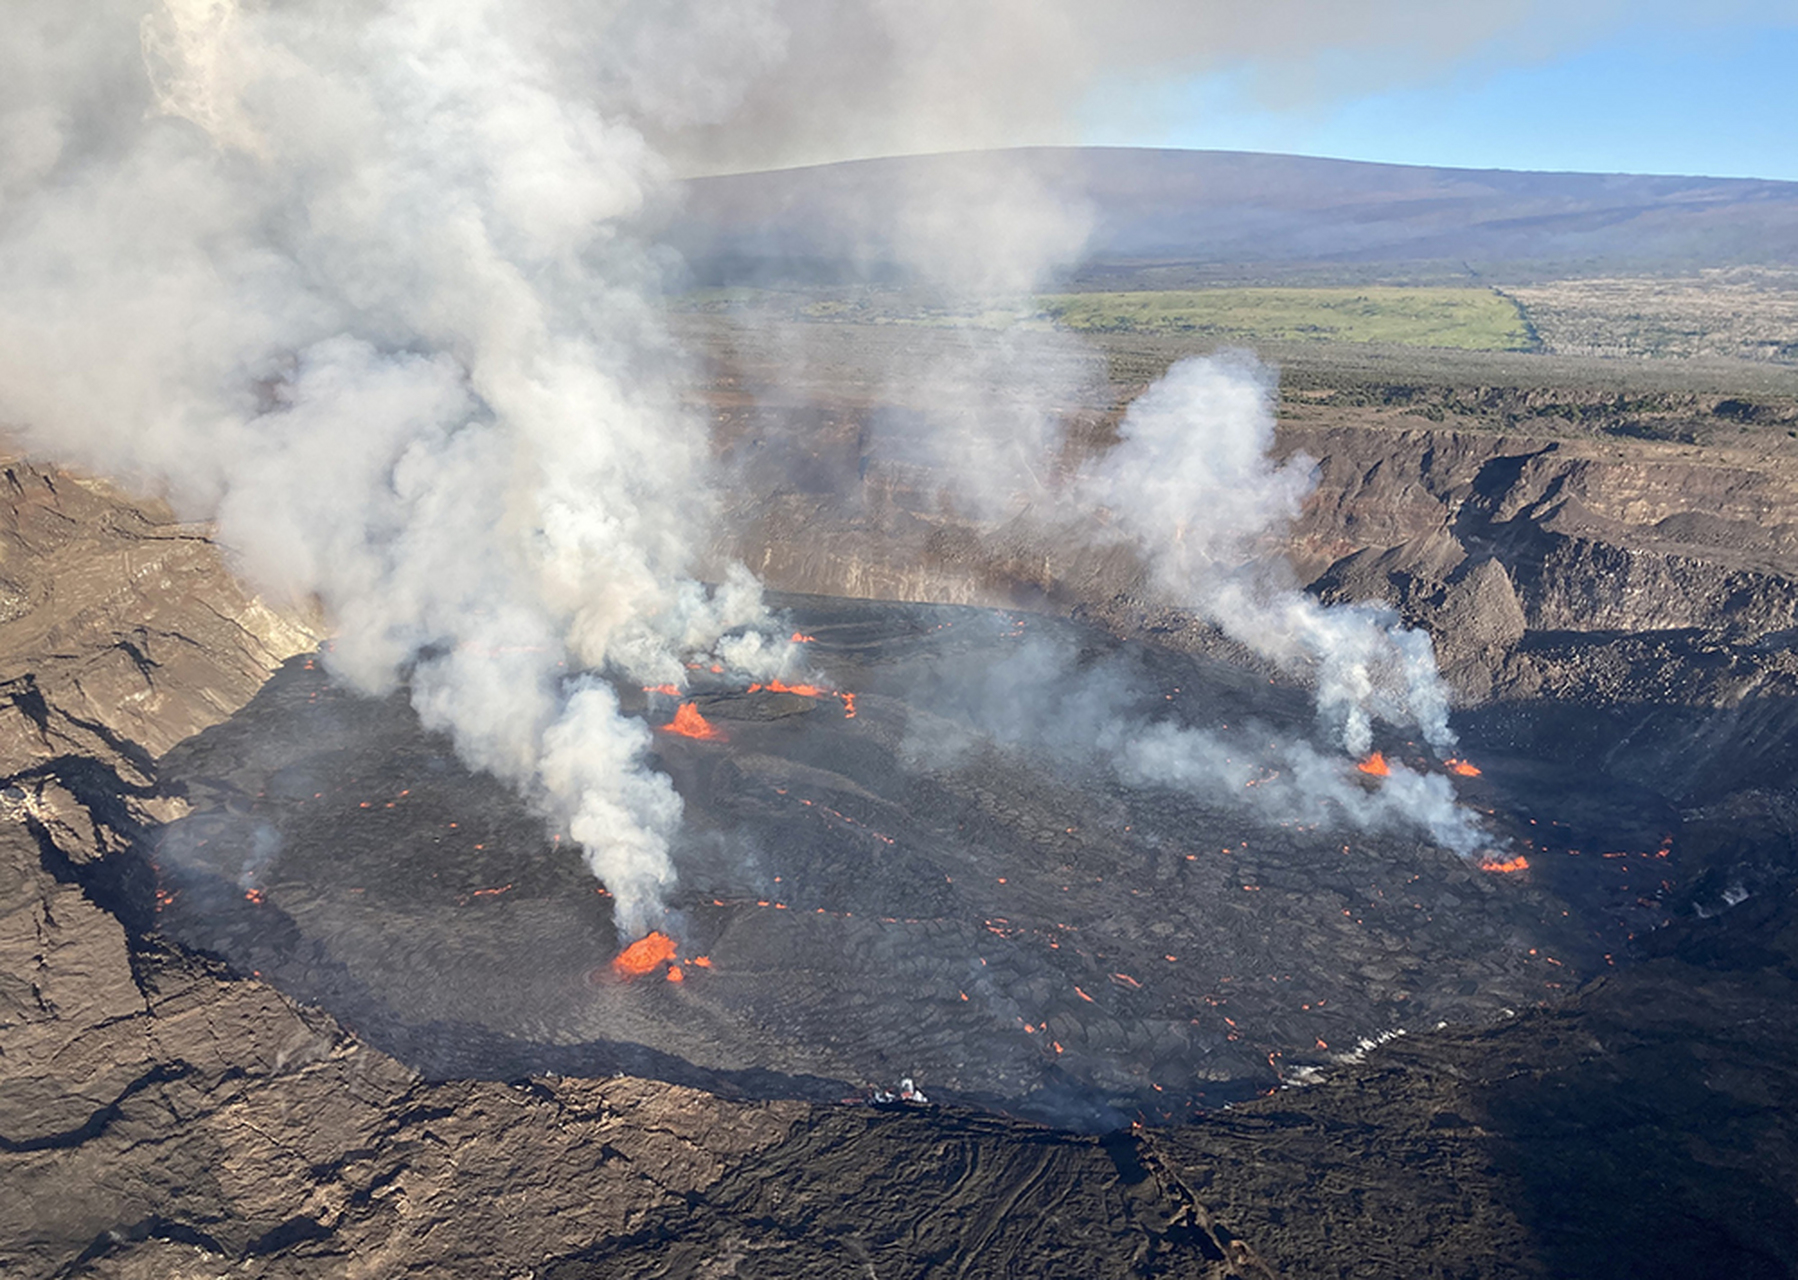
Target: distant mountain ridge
x,y
1235,212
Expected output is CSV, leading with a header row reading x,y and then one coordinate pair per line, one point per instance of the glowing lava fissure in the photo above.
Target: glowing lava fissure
x,y
650,952
781,686
1376,766
688,723
643,955
809,691
1506,866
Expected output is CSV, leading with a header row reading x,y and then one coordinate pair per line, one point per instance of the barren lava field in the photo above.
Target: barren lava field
x,y
875,887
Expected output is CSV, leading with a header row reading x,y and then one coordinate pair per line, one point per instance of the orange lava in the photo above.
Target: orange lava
x,y
250,895
643,955
800,637
781,686
1375,766
703,962
672,690
675,974
808,691
1519,863
1463,768
690,724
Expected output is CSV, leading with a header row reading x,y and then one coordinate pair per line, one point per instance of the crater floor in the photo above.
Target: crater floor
x,y
891,892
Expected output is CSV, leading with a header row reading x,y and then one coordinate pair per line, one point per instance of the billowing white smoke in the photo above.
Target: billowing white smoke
x,y
1194,487
358,282
357,277
1194,484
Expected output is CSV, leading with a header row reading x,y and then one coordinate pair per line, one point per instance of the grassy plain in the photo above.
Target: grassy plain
x,y
1463,318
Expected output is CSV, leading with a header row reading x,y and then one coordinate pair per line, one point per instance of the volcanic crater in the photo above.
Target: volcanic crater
x,y
1623,674
896,882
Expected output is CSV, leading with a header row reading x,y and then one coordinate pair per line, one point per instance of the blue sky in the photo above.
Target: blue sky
x,y
1717,100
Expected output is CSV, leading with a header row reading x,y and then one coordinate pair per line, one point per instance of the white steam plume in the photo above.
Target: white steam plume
x,y
359,282
358,277
1041,696
1193,484
1291,782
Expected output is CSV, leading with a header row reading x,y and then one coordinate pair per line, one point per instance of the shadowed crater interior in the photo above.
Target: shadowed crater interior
x,y
889,885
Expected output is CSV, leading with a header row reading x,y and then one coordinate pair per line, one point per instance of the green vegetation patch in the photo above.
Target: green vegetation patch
x,y
1470,319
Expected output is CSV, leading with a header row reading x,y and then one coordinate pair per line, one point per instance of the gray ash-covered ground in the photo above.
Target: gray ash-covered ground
x,y
890,893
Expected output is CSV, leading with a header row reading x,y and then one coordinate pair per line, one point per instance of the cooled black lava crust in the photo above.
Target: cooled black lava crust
x,y
888,893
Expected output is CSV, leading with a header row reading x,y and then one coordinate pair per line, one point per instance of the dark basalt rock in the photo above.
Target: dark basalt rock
x,y
760,706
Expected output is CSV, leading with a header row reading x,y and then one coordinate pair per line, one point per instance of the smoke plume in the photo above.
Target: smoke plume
x,y
364,281
1193,483
362,285
1194,487
1047,697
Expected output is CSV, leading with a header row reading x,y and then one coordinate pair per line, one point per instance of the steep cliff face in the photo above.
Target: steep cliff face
x,y
1499,543
1611,505
137,635
1641,537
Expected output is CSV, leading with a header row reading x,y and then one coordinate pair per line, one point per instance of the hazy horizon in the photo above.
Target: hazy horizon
x,y
1236,151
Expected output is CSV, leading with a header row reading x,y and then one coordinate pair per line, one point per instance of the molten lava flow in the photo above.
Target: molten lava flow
x,y
643,955
799,637
675,974
781,686
1375,766
672,690
690,724
1462,767
1519,863
807,691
